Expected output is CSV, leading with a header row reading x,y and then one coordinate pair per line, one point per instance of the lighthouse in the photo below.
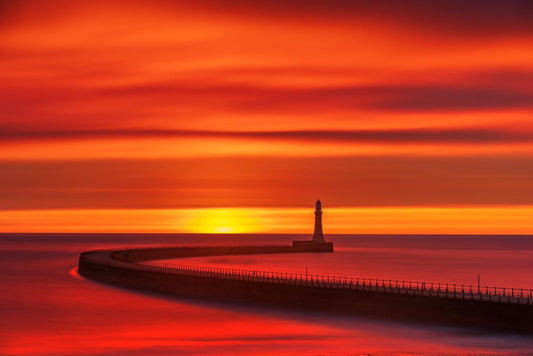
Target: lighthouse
x,y
317,243
318,235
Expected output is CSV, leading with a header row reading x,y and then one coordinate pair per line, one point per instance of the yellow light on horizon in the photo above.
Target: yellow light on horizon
x,y
348,220
222,221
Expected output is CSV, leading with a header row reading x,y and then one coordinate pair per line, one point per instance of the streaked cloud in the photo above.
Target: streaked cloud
x,y
267,181
432,135
193,105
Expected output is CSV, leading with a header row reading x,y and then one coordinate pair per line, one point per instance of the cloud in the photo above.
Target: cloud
x,y
396,97
449,98
478,18
104,107
266,181
443,135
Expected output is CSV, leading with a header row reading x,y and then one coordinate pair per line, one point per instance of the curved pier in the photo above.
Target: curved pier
x,y
505,309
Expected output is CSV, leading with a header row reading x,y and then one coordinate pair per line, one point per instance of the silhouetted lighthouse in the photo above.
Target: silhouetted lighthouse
x,y
318,235
317,244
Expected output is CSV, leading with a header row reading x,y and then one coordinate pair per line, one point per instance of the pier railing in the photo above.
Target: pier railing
x,y
441,290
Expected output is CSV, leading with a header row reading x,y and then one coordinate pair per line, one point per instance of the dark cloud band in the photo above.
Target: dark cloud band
x,y
472,135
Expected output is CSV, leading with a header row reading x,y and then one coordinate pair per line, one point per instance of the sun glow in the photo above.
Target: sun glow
x,y
223,221
348,220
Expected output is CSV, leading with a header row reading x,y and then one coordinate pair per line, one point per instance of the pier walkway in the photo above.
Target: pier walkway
x,y
402,287
440,290
488,307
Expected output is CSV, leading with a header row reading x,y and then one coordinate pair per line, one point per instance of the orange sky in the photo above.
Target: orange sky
x,y
143,110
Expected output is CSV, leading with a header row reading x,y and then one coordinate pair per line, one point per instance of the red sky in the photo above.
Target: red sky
x,y
212,115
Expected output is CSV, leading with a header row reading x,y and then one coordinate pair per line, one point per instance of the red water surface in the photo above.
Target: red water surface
x,y
47,308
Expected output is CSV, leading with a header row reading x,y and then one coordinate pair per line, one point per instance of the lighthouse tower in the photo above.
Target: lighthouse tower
x,y
317,244
318,235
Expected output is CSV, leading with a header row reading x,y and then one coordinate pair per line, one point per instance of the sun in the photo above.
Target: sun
x,y
223,221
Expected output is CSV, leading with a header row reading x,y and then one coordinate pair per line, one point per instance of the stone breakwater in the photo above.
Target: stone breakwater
x,y
341,295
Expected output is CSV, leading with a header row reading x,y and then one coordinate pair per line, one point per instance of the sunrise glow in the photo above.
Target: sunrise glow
x,y
141,113
368,220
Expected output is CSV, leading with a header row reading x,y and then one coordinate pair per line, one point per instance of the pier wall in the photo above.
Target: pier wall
x,y
161,253
121,268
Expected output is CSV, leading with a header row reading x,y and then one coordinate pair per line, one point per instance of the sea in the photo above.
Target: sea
x,y
46,308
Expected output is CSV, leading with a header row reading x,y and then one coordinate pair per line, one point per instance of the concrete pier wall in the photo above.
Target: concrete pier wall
x,y
116,267
161,253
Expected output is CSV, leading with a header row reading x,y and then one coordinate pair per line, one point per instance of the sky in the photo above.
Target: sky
x,y
216,116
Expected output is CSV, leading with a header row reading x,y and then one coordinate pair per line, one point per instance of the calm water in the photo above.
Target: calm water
x,y
47,309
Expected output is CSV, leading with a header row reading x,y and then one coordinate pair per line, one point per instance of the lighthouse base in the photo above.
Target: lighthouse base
x,y
312,246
